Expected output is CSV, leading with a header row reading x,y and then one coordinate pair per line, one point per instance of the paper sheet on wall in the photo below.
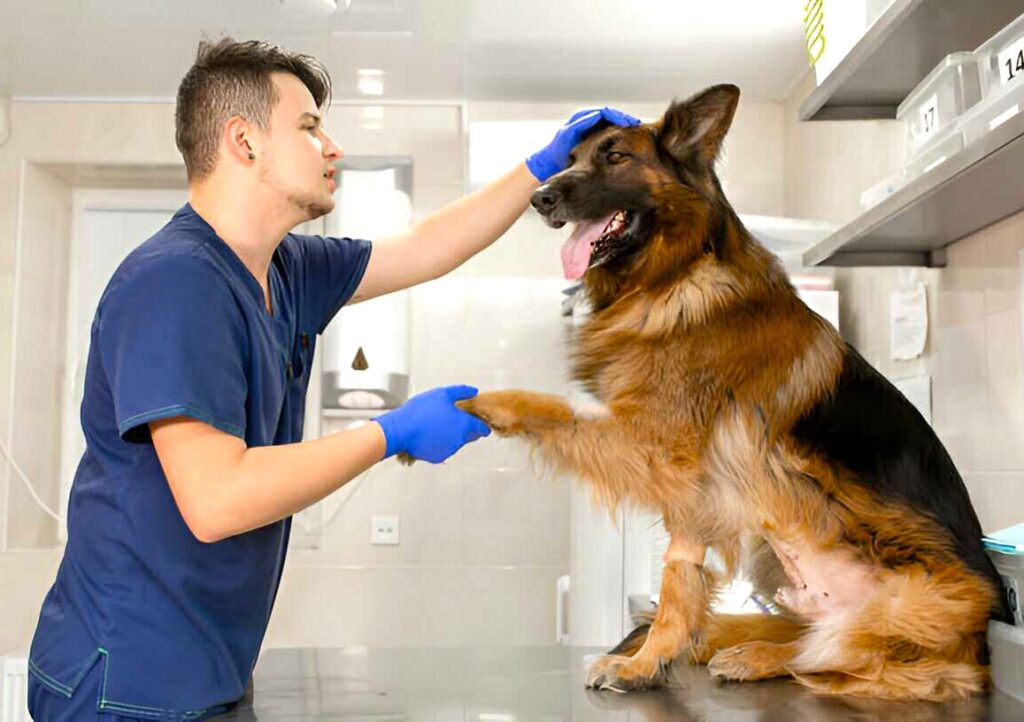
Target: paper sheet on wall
x,y
908,308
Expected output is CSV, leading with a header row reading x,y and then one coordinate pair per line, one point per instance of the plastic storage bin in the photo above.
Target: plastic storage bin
x,y
997,108
951,88
1011,569
939,148
1001,58
1007,646
1001,67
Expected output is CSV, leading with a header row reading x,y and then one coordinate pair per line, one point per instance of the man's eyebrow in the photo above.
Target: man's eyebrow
x,y
311,116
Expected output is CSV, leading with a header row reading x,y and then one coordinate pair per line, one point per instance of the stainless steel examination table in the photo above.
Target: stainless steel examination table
x,y
541,684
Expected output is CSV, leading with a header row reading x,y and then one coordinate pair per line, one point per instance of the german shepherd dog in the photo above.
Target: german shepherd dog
x,y
744,419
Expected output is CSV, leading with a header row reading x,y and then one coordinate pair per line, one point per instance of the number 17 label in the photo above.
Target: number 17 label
x,y
929,115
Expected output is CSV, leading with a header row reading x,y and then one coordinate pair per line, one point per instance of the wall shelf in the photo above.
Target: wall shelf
x,y
898,50
978,186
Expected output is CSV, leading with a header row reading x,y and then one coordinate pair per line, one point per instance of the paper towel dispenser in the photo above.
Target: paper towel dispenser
x,y
366,346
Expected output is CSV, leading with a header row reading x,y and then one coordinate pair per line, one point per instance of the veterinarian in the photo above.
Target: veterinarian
x,y
198,364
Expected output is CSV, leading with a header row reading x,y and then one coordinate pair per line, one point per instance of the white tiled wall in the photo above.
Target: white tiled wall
x,y
979,377
483,536
973,352
39,355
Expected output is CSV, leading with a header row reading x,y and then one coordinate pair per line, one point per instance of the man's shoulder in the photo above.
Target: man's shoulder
x,y
170,259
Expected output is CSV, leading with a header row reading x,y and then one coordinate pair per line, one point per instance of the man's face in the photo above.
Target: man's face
x,y
297,155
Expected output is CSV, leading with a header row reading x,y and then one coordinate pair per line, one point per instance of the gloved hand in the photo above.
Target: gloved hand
x,y
553,158
430,427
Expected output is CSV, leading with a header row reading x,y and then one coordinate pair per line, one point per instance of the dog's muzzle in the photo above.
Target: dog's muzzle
x,y
546,200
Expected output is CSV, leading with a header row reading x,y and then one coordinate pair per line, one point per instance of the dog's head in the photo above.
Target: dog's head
x,y
645,200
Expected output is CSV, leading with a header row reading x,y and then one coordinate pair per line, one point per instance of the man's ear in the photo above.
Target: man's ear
x,y
699,124
237,135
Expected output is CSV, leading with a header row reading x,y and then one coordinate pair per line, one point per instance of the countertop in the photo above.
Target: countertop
x,y
541,684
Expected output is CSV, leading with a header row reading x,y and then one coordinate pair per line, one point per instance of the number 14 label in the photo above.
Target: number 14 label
x,y
1011,62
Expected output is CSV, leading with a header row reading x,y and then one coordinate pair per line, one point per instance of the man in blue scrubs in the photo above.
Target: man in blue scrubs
x,y
198,365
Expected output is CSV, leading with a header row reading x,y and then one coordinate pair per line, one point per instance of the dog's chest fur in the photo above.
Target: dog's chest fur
x,y
724,393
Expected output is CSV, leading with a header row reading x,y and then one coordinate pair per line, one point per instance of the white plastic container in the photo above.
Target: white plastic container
x,y
1001,58
950,89
1007,646
995,109
1000,62
1011,569
939,148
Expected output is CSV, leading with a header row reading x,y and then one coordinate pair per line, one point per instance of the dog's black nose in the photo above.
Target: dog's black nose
x,y
545,199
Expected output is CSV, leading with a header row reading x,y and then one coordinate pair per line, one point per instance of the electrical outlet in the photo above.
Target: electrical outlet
x,y
383,529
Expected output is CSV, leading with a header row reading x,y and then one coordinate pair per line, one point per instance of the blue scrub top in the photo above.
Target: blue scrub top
x,y
182,330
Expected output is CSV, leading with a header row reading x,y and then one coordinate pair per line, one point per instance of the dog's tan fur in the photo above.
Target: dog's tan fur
x,y
705,361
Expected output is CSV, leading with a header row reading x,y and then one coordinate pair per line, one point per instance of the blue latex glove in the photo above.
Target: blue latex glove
x,y
555,156
429,426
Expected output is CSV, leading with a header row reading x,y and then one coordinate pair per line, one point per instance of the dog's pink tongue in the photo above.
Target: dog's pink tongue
x,y
577,249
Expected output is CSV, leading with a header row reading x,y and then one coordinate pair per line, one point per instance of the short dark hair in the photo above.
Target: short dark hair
x,y
232,78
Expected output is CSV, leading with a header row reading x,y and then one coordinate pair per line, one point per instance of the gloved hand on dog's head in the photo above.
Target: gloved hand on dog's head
x,y
430,427
554,157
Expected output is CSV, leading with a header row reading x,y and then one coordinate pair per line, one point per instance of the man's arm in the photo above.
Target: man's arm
x,y
223,488
447,238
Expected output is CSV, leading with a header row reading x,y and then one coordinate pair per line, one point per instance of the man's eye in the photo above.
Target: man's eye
x,y
615,157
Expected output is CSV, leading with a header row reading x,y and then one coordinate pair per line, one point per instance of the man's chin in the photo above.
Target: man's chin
x,y
316,207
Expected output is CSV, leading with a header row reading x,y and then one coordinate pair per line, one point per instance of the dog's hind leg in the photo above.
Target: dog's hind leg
x,y
743,646
727,631
682,606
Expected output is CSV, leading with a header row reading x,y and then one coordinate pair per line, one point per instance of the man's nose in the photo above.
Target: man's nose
x,y
332,150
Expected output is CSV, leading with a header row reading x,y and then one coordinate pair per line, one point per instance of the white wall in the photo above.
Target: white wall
x,y
483,536
973,350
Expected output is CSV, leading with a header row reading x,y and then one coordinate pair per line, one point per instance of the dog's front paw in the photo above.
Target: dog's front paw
x,y
496,408
516,412
624,674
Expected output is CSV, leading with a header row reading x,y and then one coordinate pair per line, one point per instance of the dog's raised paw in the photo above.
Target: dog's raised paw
x,y
495,408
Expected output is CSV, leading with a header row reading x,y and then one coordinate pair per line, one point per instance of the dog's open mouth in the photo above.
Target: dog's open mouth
x,y
593,242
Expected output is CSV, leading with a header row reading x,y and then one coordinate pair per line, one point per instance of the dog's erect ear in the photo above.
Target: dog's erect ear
x,y
700,123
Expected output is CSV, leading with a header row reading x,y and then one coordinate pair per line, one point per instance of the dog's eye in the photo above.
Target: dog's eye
x,y
615,157
572,159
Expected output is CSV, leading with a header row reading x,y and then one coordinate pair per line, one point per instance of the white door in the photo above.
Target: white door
x,y
107,225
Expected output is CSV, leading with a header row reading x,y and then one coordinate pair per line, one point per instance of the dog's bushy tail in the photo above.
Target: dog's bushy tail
x,y
936,680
